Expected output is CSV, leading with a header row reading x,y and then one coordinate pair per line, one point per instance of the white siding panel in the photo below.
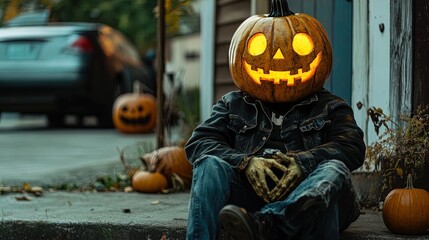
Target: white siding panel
x,y
360,75
379,58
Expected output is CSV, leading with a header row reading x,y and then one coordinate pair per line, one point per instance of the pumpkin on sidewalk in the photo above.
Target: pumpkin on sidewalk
x,y
171,161
164,170
149,182
134,112
406,210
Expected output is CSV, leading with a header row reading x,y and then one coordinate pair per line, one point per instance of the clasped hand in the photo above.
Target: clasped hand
x,y
259,168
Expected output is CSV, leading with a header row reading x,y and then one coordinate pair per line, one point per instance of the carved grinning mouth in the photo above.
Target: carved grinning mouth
x,y
135,121
283,76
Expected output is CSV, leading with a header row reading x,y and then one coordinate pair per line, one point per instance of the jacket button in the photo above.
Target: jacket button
x,y
264,138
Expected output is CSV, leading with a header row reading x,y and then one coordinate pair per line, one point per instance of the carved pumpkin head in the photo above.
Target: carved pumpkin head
x,y
280,57
134,113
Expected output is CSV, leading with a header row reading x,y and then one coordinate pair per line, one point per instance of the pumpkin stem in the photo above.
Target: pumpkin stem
x,y
136,86
410,181
280,8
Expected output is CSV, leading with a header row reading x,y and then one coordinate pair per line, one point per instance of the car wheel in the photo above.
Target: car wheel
x,y
55,120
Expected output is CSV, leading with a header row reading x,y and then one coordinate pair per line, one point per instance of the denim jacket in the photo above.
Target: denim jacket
x,y
319,128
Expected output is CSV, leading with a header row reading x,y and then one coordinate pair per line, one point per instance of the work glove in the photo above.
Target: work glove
x,y
257,171
292,177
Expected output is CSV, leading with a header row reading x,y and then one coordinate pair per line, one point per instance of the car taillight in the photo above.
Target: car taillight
x,y
82,44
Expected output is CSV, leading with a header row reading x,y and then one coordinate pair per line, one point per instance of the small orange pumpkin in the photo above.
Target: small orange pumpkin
x,y
406,211
134,113
168,161
149,182
280,57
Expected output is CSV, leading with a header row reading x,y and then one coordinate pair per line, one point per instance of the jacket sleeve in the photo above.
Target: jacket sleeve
x,y
343,141
213,137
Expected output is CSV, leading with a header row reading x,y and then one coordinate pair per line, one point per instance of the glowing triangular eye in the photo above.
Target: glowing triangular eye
x,y
302,44
257,44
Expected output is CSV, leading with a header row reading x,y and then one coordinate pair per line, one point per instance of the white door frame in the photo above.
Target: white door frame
x,y
360,63
208,19
371,60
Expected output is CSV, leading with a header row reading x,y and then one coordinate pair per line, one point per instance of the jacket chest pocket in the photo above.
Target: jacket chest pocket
x,y
313,132
244,133
291,137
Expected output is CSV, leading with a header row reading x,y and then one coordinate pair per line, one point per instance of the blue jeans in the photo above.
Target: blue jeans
x,y
215,184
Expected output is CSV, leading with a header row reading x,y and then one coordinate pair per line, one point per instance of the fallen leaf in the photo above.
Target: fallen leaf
x,y
23,198
36,190
400,172
128,189
26,186
5,189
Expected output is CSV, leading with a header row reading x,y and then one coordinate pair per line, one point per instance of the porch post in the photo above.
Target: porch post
x,y
401,57
421,52
208,11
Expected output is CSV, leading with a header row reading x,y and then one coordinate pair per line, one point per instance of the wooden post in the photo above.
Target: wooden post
x,y
401,58
420,62
160,64
421,53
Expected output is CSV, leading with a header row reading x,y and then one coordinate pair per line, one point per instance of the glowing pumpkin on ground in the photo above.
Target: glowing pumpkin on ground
x,y
280,57
149,182
406,211
134,112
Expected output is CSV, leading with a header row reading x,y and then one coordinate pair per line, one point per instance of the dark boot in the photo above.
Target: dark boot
x,y
238,224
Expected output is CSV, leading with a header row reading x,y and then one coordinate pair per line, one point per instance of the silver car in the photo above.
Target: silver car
x,y
67,68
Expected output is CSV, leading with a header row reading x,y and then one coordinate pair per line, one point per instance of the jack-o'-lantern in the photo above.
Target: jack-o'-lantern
x,y
280,57
134,113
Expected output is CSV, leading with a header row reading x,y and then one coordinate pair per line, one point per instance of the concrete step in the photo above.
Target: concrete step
x,y
94,216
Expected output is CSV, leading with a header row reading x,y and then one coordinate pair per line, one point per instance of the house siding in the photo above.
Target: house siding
x,y
229,15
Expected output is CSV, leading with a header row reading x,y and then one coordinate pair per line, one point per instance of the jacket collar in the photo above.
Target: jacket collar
x,y
306,101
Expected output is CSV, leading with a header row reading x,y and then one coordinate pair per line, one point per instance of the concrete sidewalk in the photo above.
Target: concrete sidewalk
x,y
92,215
32,157
95,215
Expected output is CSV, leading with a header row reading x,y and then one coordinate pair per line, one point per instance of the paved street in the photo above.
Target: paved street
x,y
31,152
